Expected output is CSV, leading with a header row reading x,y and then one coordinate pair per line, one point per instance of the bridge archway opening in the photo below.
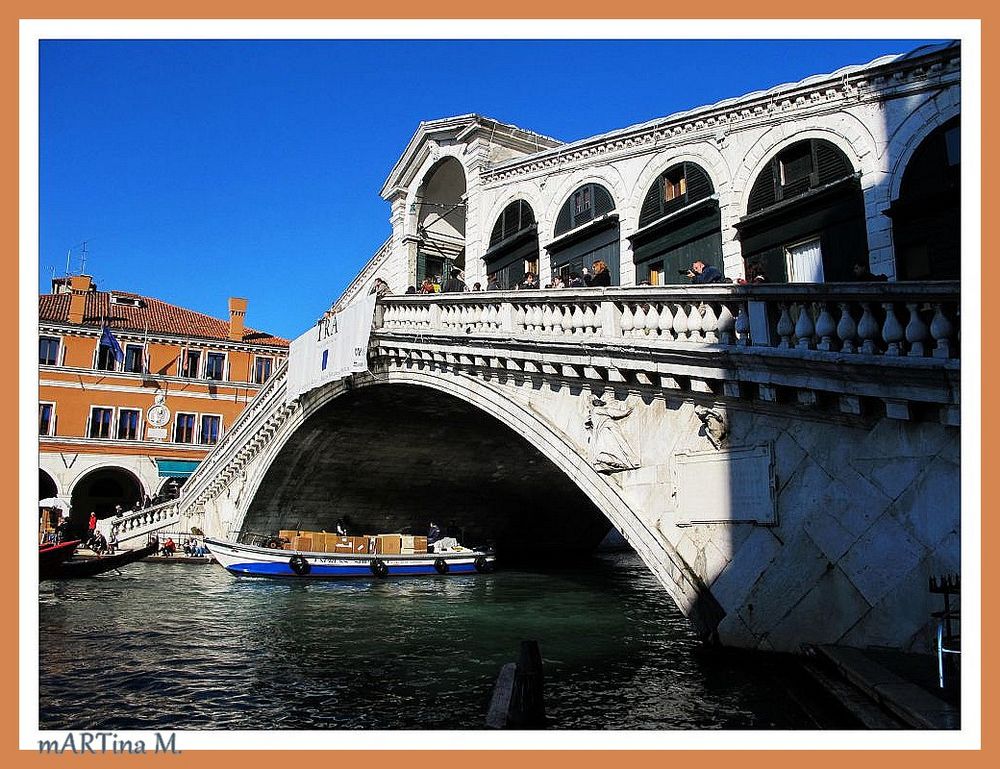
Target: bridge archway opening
x,y
440,222
396,457
100,491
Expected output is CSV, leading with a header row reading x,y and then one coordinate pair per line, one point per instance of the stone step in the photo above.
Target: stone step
x,y
913,704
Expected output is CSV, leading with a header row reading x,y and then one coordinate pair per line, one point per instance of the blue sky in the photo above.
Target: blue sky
x,y
200,170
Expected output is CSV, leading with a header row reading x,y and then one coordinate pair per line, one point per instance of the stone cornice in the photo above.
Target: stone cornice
x,y
809,97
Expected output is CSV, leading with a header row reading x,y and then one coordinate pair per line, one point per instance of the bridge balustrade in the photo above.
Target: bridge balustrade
x,y
916,320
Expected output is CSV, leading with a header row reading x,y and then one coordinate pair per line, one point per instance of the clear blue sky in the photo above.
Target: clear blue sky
x,y
199,170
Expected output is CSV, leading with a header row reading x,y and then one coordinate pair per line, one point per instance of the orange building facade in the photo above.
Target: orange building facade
x,y
134,392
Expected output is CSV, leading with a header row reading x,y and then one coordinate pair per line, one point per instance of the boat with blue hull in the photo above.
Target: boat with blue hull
x,y
263,561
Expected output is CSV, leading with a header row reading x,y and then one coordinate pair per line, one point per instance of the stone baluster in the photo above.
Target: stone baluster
x,y
582,321
825,328
680,324
847,329
494,317
547,318
941,330
537,319
652,321
785,327
517,318
561,319
665,327
639,321
628,320
867,330
709,324
892,330
726,324
595,313
916,331
694,320
805,328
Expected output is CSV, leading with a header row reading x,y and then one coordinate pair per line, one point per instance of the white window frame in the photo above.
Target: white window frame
x,y
199,425
52,418
59,349
111,427
142,419
253,373
182,362
142,357
97,357
194,429
225,365
788,247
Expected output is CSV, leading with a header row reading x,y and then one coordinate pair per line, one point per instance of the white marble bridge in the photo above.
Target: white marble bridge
x,y
784,458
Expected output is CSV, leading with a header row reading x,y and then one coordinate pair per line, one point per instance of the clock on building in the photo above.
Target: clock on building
x,y
158,414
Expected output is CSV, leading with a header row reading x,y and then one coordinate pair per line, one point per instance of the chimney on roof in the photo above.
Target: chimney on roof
x,y
79,287
237,312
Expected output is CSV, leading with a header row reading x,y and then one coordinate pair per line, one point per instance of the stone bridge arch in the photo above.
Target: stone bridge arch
x,y
284,470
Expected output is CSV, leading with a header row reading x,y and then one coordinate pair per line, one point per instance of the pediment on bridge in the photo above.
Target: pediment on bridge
x,y
498,141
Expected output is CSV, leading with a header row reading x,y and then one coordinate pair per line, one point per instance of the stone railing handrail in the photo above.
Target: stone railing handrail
x,y
263,405
915,320
138,523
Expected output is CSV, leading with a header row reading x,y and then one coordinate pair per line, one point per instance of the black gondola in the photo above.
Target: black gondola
x,y
91,567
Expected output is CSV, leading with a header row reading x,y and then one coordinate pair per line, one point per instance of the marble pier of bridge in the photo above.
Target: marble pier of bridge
x,y
785,459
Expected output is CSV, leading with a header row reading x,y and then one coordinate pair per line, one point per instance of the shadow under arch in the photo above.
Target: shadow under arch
x,y
297,491
100,490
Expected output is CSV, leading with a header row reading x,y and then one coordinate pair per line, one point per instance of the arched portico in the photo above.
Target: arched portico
x,y
101,490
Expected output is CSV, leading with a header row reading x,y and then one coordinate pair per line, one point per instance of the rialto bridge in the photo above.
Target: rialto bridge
x,y
784,458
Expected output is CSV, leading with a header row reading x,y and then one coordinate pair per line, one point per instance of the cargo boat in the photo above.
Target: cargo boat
x,y
262,560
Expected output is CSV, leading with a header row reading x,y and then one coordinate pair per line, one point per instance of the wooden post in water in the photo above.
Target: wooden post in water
x,y
518,698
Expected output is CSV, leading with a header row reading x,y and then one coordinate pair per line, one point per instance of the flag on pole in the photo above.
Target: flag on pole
x,y
108,340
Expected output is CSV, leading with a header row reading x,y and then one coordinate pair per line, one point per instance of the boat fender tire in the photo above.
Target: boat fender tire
x,y
482,565
299,565
379,567
441,565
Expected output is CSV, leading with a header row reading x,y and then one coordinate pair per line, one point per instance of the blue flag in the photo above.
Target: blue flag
x,y
108,340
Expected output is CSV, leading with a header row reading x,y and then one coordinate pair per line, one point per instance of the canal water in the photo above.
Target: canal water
x,y
192,647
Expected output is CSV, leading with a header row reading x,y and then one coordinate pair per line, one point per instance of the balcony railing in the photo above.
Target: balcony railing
x,y
915,320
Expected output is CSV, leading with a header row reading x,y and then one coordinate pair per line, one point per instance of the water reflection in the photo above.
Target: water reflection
x,y
194,648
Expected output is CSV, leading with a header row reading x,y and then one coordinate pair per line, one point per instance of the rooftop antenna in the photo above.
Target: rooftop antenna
x,y
69,253
83,259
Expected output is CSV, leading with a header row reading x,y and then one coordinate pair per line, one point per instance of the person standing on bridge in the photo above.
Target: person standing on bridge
x,y
454,284
705,273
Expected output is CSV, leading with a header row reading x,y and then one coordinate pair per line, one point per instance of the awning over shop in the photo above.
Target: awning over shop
x,y
175,468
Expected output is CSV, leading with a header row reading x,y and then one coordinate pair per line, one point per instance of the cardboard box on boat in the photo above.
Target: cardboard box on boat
x,y
287,546
388,544
302,543
359,544
420,544
288,534
342,544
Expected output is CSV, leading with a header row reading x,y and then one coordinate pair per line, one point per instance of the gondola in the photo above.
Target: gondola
x,y
91,567
52,556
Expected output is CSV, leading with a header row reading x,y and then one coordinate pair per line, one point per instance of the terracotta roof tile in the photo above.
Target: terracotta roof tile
x,y
154,316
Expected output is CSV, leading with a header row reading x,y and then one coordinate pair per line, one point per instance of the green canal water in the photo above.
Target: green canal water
x,y
192,647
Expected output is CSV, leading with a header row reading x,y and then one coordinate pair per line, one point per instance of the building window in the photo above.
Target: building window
x,y
128,424
133,358
100,422
210,429
48,351
106,358
184,428
215,365
581,200
46,418
326,357
191,362
674,185
261,370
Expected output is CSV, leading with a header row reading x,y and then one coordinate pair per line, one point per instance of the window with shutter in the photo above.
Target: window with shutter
x,y
585,204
